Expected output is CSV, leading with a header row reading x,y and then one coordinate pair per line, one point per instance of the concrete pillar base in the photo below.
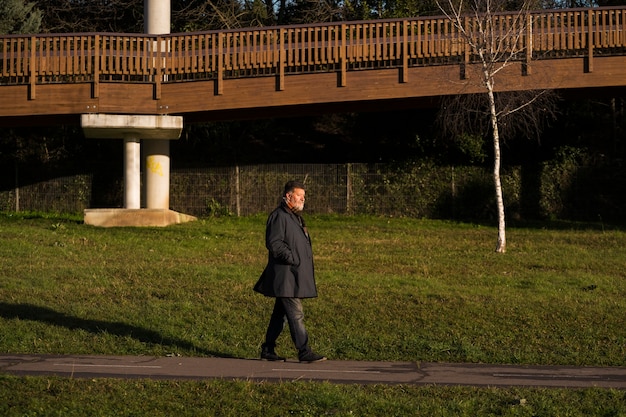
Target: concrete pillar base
x,y
134,217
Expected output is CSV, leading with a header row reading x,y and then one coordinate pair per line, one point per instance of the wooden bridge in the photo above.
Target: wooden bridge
x,y
275,71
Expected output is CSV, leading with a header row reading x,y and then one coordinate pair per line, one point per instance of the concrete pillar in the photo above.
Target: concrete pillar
x,y
132,173
156,16
157,152
157,173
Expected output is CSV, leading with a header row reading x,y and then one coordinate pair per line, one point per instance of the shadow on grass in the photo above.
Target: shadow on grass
x,y
46,315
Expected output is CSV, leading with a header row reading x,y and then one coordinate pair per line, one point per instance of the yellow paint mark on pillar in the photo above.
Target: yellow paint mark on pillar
x,y
154,166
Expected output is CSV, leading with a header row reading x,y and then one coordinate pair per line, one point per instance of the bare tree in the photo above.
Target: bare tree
x,y
496,44
72,16
19,16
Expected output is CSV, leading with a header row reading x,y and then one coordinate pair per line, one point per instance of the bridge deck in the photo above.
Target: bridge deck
x,y
269,71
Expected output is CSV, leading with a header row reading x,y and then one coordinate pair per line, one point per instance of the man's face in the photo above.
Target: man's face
x,y
296,198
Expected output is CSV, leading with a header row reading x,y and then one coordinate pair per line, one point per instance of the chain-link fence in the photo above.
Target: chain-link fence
x,y
419,189
254,189
414,191
70,194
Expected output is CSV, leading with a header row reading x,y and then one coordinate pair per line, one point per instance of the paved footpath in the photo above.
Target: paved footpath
x,y
359,372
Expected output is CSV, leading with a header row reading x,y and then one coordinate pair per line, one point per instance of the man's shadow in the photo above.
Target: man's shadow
x,y
46,315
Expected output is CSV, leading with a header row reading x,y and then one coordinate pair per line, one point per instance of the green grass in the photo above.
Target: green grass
x,y
102,397
390,289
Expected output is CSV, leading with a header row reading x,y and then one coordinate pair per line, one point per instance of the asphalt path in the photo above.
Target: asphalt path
x,y
336,371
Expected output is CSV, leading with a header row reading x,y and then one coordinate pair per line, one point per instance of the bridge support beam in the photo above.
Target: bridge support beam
x,y
155,132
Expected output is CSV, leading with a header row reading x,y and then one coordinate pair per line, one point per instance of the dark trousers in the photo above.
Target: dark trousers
x,y
289,309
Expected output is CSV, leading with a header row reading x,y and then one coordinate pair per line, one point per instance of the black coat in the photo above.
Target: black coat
x,y
289,271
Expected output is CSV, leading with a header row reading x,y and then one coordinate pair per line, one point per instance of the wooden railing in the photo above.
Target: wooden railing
x,y
277,51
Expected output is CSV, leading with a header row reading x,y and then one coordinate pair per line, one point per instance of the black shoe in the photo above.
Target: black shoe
x,y
270,355
310,357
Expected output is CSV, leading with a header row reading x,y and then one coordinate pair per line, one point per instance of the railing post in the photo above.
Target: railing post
x,y
590,40
342,56
158,73
529,43
96,68
466,48
32,66
405,51
220,65
281,60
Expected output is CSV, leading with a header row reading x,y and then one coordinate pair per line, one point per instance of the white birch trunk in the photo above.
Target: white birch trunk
x,y
484,38
501,242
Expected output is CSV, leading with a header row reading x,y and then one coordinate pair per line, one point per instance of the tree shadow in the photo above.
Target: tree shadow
x,y
46,315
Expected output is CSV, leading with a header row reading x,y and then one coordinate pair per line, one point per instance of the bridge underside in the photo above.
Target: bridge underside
x,y
302,94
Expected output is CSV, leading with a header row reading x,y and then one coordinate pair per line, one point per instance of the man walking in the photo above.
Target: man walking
x,y
289,275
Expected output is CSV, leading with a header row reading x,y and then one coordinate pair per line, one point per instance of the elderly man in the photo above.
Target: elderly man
x,y
289,275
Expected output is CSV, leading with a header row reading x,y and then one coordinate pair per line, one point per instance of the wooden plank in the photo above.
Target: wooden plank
x,y
383,46
220,65
247,50
235,46
273,45
364,85
575,29
214,49
4,57
43,56
622,29
51,99
529,44
190,62
127,98
297,52
147,57
170,54
405,52
256,52
158,71
317,45
206,50
466,50
428,38
342,55
96,69
123,54
32,64
374,40
382,84
117,59
590,41
281,60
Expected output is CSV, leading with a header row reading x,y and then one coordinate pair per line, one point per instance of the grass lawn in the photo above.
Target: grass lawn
x,y
390,289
